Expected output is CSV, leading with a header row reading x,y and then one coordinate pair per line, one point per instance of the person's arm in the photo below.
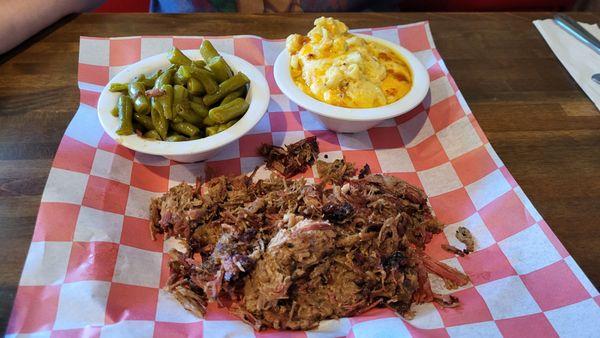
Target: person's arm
x,y
20,19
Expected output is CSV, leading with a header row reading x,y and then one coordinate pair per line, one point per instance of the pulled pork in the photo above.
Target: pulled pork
x,y
336,172
291,159
285,254
465,237
454,250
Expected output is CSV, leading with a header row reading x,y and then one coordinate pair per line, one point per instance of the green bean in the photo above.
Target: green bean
x,y
180,94
176,138
207,50
137,92
140,78
160,123
229,111
195,87
220,68
149,82
152,135
165,78
206,78
180,98
115,112
199,63
125,107
155,104
118,87
208,121
196,99
182,108
199,109
234,95
237,81
141,104
185,128
178,80
144,120
191,117
182,75
185,72
212,130
136,89
166,101
177,118
220,127
178,58
224,126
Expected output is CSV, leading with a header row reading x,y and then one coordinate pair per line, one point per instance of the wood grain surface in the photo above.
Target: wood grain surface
x,y
541,124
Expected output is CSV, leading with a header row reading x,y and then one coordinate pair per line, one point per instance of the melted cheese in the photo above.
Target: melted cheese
x,y
345,70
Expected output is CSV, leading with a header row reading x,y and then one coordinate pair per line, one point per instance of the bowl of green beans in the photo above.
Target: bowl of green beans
x,y
183,105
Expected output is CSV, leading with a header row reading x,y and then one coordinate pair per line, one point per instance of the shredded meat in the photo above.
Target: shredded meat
x,y
336,172
454,250
293,158
286,254
464,236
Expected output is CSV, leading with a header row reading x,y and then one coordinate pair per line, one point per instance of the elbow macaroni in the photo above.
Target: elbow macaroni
x,y
345,70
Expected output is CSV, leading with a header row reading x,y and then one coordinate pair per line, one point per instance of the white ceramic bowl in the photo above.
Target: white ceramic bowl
x,y
188,151
349,120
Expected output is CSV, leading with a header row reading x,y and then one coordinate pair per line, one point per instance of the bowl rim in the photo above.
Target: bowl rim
x,y
258,97
414,97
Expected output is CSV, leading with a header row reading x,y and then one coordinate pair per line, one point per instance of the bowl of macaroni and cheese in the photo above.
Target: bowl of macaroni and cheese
x,y
351,82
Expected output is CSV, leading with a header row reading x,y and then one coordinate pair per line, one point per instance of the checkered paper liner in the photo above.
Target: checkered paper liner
x,y
92,269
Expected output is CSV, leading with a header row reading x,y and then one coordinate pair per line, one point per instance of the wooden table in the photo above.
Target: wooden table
x,y
541,124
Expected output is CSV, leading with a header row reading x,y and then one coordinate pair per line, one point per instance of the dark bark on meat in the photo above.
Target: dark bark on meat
x,y
337,213
285,254
291,159
366,170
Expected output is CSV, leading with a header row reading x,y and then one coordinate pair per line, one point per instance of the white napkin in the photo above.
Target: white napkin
x,y
580,60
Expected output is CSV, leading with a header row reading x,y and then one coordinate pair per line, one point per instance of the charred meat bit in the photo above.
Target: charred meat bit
x,y
366,170
286,254
291,159
337,213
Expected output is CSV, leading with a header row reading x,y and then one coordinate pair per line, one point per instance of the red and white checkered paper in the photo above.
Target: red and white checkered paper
x,y
92,269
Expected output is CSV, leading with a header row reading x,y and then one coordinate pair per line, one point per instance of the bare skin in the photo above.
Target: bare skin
x,y
21,19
